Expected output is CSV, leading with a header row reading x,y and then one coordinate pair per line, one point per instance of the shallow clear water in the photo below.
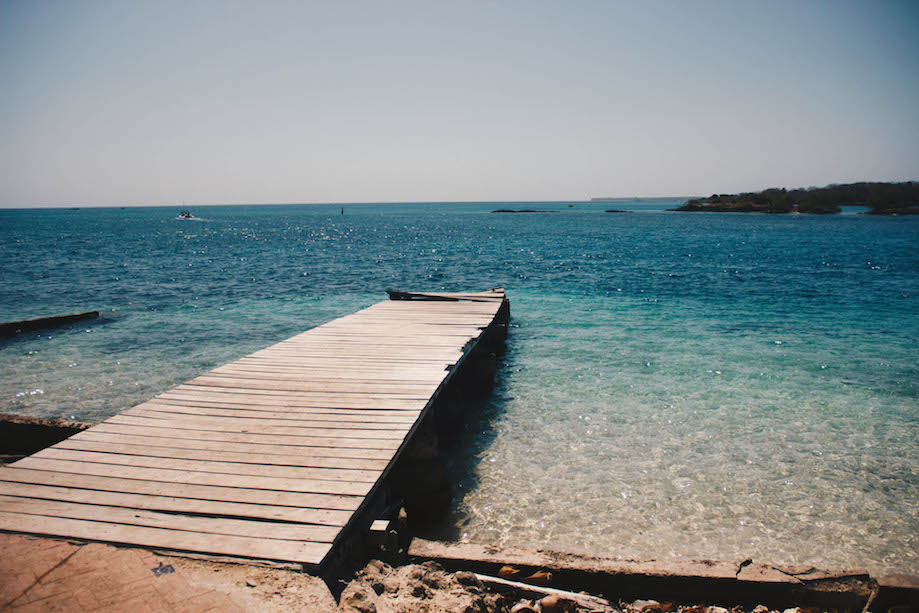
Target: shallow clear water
x,y
690,385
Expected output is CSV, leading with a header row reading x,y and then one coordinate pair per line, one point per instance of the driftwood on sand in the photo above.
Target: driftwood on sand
x,y
593,603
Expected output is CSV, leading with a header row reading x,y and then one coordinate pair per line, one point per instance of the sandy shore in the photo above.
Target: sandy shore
x,y
53,574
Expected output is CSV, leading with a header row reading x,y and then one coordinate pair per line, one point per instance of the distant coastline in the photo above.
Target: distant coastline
x,y
878,198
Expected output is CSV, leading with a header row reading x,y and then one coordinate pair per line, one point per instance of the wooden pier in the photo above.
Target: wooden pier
x,y
275,456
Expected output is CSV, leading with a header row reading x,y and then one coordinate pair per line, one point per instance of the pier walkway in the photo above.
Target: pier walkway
x,y
273,456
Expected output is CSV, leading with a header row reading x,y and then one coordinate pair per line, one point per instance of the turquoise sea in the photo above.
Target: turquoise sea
x,y
676,384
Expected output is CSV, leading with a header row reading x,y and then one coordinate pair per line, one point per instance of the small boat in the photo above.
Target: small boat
x,y
185,215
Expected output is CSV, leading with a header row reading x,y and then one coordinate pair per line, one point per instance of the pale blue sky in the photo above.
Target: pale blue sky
x,y
118,103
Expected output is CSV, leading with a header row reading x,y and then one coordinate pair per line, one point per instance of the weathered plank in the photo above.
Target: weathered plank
x,y
254,426
329,362
231,437
368,416
292,385
189,477
280,418
349,396
181,490
172,504
276,399
242,546
224,467
339,454
136,517
331,372
153,447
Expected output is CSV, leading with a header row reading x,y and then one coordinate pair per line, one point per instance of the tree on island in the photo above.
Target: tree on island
x,y
880,198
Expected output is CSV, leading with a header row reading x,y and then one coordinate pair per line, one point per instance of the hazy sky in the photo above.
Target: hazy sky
x,y
162,102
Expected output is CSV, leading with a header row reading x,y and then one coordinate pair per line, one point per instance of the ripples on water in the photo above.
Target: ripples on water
x,y
680,385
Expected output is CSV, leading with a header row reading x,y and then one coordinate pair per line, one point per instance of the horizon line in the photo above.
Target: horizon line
x,y
352,203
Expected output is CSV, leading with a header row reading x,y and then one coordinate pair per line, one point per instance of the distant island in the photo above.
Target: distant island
x,y
879,198
521,211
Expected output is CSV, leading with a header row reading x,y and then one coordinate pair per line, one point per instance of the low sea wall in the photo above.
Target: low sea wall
x,y
21,435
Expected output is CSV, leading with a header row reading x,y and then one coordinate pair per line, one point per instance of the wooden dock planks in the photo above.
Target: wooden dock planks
x,y
268,457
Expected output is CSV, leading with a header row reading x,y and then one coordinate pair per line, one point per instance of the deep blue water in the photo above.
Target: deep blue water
x,y
676,384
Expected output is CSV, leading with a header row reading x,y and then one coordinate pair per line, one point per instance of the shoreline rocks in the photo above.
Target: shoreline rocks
x,y
381,588
427,587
